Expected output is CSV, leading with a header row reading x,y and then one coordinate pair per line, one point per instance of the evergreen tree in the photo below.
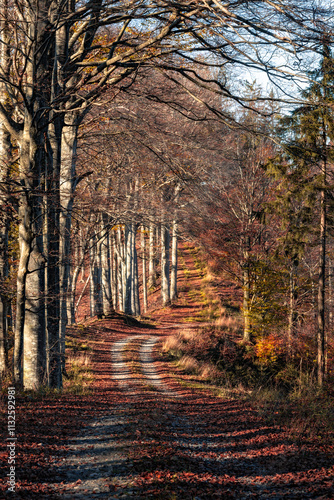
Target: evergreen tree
x,y
304,188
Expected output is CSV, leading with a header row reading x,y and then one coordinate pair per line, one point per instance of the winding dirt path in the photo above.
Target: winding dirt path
x,y
163,441
158,439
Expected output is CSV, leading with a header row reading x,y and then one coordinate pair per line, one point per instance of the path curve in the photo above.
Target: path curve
x,y
122,373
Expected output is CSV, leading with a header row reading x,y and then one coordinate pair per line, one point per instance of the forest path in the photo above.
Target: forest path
x,y
163,441
155,438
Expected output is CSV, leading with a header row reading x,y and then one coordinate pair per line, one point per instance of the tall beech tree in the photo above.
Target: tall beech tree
x,y
5,158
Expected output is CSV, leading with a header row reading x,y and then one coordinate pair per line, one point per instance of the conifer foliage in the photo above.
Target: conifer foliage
x,y
305,174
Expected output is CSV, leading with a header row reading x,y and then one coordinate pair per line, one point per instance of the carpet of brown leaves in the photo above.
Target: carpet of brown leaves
x,y
193,446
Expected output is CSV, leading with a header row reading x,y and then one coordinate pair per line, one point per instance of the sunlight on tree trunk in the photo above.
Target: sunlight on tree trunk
x,y
165,275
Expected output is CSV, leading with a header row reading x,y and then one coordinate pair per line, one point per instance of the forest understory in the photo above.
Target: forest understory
x,y
137,419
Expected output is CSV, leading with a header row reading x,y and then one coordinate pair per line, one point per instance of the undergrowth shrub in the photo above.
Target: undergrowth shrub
x,y
189,364
215,356
78,373
306,411
268,362
283,387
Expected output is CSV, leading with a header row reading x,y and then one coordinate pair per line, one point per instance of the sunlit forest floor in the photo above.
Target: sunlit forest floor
x,y
131,423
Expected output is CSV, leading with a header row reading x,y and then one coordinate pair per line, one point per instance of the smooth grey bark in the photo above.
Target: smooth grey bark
x,y
152,271
122,267
39,161
82,255
131,293
55,362
34,355
173,274
165,265
51,243
144,260
30,315
119,248
30,307
67,184
74,282
104,252
92,256
95,282
128,295
136,300
114,269
174,263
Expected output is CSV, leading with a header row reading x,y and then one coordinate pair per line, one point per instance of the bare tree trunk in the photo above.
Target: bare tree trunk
x,y
165,284
131,293
51,205
246,307
173,276
82,255
81,249
121,268
95,283
107,304
66,193
34,355
5,147
129,298
24,247
51,243
143,249
4,269
74,282
152,272
114,270
136,279
30,318
92,257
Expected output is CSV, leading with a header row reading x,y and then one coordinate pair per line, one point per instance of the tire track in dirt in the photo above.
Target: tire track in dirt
x,y
123,375
149,369
121,371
